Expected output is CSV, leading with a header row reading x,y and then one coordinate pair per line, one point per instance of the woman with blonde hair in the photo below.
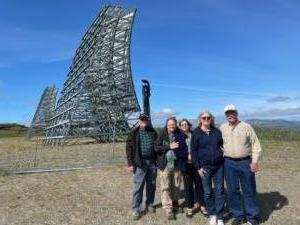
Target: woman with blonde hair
x,y
207,157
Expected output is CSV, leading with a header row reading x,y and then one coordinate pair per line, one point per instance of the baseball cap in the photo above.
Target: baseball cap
x,y
230,108
143,116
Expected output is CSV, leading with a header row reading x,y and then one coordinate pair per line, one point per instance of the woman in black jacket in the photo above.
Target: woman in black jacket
x,y
172,154
191,176
207,157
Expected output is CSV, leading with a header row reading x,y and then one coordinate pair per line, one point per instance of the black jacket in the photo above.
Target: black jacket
x,y
206,148
133,152
162,146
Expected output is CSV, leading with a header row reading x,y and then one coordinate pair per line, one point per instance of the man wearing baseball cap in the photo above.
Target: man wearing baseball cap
x,y
141,162
241,152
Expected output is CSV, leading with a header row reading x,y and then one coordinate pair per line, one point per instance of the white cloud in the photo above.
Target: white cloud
x,y
283,98
165,112
159,118
211,90
168,111
297,97
279,99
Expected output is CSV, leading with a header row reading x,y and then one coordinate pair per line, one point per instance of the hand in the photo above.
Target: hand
x,y
174,145
131,169
254,167
189,157
201,172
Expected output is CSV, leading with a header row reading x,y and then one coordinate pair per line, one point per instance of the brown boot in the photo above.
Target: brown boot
x,y
189,212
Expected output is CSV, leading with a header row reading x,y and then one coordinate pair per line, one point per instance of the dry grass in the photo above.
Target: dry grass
x,y
18,154
103,195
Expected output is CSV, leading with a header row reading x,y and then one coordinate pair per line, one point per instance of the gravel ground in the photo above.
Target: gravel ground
x,y
102,196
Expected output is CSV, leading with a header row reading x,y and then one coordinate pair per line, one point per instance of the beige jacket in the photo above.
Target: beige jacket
x,y
240,141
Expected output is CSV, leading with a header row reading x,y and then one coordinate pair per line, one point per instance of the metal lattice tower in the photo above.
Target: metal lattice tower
x,y
98,96
44,112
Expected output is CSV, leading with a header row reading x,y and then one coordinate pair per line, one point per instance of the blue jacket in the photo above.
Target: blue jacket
x,y
161,147
206,148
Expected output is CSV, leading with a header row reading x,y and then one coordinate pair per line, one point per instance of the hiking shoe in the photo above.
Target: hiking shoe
x,y
220,222
136,215
196,206
189,212
253,222
150,208
212,220
203,211
238,221
171,216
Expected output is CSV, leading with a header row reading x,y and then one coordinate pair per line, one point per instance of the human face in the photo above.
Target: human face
x,y
143,122
171,126
231,116
206,119
184,127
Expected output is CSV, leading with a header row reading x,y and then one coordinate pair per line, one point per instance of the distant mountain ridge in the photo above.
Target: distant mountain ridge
x,y
275,123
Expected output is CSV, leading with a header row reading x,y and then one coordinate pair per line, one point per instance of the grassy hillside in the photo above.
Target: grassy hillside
x,y
264,133
275,123
276,134
12,130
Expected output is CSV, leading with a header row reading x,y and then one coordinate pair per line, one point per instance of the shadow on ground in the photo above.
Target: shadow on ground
x,y
269,202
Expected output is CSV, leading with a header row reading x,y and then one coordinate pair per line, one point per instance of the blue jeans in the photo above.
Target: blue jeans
x,y
145,174
214,204
238,173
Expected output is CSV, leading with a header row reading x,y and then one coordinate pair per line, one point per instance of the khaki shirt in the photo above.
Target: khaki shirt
x,y
240,141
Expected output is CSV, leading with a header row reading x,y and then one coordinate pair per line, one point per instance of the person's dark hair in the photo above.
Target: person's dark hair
x,y
175,120
187,121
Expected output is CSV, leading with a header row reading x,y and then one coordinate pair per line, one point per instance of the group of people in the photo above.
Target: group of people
x,y
202,159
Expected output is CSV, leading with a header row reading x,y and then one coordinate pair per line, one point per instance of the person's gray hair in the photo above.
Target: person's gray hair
x,y
211,116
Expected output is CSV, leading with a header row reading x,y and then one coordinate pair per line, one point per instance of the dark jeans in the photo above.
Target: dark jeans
x,y
238,173
191,178
214,204
144,174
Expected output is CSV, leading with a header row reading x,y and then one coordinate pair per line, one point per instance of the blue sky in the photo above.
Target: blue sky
x,y
197,54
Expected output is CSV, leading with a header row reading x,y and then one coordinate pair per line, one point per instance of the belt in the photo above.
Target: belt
x,y
148,158
237,159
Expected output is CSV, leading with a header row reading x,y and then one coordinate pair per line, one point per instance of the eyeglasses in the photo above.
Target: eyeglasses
x,y
231,113
206,118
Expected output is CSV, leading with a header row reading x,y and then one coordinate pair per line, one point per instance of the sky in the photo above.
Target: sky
x,y
198,54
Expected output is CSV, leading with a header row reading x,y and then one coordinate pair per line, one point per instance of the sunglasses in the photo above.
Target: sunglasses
x,y
206,118
230,113
144,119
